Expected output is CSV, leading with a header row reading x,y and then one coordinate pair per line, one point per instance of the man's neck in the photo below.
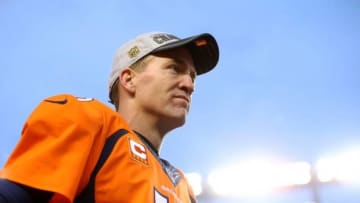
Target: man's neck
x,y
146,125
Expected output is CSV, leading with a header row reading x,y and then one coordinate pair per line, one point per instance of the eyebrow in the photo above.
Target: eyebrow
x,y
181,61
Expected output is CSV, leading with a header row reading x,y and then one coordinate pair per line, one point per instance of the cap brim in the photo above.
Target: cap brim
x,y
203,48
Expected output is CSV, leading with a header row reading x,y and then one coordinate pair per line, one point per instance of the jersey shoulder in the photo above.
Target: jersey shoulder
x,y
74,102
69,107
65,99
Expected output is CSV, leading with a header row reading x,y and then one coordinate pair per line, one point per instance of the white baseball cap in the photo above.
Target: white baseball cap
x,y
203,49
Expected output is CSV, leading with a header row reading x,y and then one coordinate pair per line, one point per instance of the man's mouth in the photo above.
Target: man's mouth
x,y
183,97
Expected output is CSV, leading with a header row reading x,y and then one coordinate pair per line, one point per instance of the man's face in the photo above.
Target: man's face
x,y
165,85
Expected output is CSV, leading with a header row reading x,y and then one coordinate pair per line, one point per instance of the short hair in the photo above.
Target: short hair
x,y
114,92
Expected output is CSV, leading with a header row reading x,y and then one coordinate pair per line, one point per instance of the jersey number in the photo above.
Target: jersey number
x,y
159,198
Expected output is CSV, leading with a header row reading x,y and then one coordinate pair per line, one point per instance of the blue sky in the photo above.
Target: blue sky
x,y
287,83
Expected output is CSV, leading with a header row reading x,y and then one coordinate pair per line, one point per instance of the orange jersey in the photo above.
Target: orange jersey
x,y
84,151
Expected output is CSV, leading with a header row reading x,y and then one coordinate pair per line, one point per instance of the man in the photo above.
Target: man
x,y
78,150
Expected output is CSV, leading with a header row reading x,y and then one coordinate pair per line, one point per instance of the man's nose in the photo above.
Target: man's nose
x,y
187,84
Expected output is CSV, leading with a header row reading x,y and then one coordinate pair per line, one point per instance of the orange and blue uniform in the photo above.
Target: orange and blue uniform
x,y
83,151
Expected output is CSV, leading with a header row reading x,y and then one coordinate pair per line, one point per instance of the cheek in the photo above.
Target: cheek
x,y
150,88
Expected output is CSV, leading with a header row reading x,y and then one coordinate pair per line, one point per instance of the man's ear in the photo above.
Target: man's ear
x,y
126,79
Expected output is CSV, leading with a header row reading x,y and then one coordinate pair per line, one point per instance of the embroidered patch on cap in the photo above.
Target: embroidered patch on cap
x,y
133,52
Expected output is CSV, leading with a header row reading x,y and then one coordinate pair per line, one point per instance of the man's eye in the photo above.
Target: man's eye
x,y
174,67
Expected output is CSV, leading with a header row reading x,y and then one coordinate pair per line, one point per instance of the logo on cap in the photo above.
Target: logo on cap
x,y
133,52
161,38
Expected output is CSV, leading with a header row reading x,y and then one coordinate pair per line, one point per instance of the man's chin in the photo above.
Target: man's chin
x,y
176,121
